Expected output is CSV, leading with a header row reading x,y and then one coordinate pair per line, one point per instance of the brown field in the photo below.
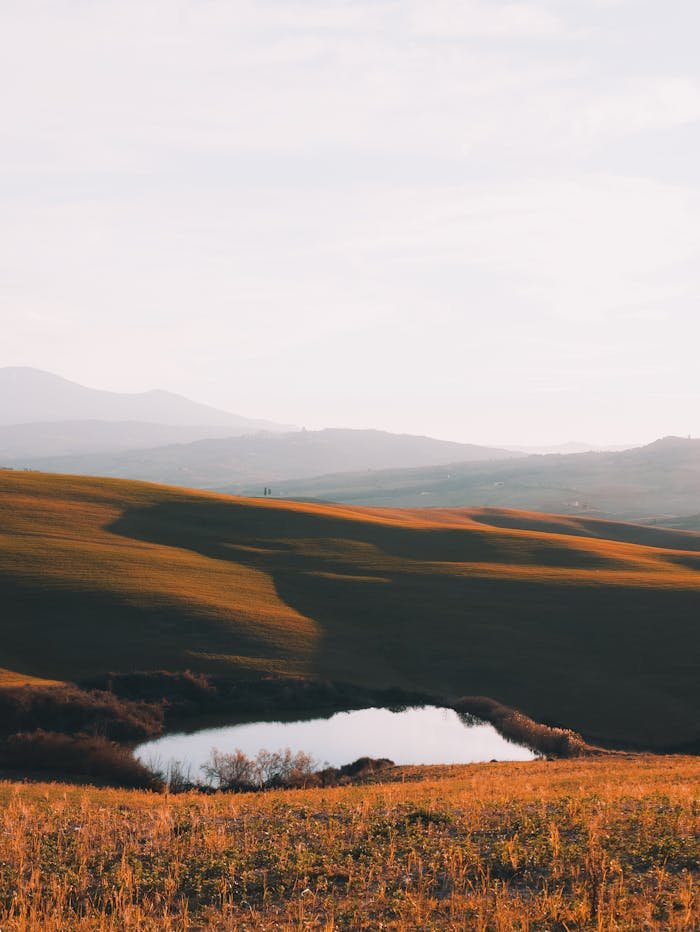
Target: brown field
x,y
608,844
581,623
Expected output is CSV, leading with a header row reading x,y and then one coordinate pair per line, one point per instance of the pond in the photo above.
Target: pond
x,y
424,735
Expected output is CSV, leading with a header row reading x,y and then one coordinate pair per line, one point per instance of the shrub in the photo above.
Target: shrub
x,y
72,710
62,756
230,771
284,769
544,739
266,770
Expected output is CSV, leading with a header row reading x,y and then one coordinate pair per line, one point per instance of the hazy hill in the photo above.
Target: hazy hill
x,y
574,621
658,482
32,395
266,458
571,446
23,443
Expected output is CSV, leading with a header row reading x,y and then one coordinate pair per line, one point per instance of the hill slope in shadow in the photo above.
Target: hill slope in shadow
x,y
574,621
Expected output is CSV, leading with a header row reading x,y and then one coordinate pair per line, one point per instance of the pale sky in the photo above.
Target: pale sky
x,y
474,219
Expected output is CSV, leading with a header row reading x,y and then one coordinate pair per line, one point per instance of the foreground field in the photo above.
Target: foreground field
x,y
586,624
594,844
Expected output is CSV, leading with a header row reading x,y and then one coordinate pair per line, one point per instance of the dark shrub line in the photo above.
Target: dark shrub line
x,y
236,772
72,710
542,739
49,755
192,695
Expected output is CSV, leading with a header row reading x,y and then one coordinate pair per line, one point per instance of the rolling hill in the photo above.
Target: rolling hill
x,y
265,458
574,621
657,483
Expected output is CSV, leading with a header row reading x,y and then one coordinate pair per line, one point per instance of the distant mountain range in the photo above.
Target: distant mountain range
x,y
48,423
33,396
22,443
572,446
266,458
657,483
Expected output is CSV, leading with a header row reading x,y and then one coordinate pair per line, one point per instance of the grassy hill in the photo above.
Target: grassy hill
x,y
658,483
574,621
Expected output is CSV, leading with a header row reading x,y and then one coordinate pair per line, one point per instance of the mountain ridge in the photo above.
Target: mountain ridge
x,y
29,395
266,457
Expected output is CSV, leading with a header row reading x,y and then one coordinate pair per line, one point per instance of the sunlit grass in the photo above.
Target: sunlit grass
x,y
592,844
13,678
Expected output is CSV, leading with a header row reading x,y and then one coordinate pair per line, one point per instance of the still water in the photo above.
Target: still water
x,y
425,735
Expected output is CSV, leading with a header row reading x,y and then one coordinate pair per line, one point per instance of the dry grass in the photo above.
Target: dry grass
x,y
10,678
560,846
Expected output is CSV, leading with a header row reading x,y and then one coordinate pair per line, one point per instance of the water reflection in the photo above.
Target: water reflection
x,y
426,735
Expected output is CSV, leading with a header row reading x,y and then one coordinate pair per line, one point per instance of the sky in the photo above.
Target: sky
x,y
473,219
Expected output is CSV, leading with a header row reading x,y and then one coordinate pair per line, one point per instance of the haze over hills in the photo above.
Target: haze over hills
x,y
50,423
659,483
265,458
22,443
571,446
169,439
30,395
573,621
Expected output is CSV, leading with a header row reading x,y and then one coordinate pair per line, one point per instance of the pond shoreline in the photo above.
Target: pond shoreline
x,y
90,729
190,701
325,745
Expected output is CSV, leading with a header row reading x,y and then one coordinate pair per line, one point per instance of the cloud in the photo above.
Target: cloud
x,y
459,19
243,182
640,105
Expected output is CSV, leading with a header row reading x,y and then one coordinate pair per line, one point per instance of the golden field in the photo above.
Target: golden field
x,y
596,844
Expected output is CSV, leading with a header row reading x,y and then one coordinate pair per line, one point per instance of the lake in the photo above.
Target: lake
x,y
425,735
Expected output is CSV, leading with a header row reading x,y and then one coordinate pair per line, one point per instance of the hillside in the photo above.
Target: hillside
x,y
657,483
265,458
575,622
33,396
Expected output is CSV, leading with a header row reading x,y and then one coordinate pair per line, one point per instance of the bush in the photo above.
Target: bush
x,y
230,771
544,739
156,686
72,710
266,770
59,756
284,770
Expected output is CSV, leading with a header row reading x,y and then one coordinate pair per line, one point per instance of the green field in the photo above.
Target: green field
x,y
575,622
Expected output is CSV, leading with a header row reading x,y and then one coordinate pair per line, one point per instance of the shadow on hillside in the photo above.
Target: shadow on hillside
x,y
592,658
573,525
72,632
212,528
